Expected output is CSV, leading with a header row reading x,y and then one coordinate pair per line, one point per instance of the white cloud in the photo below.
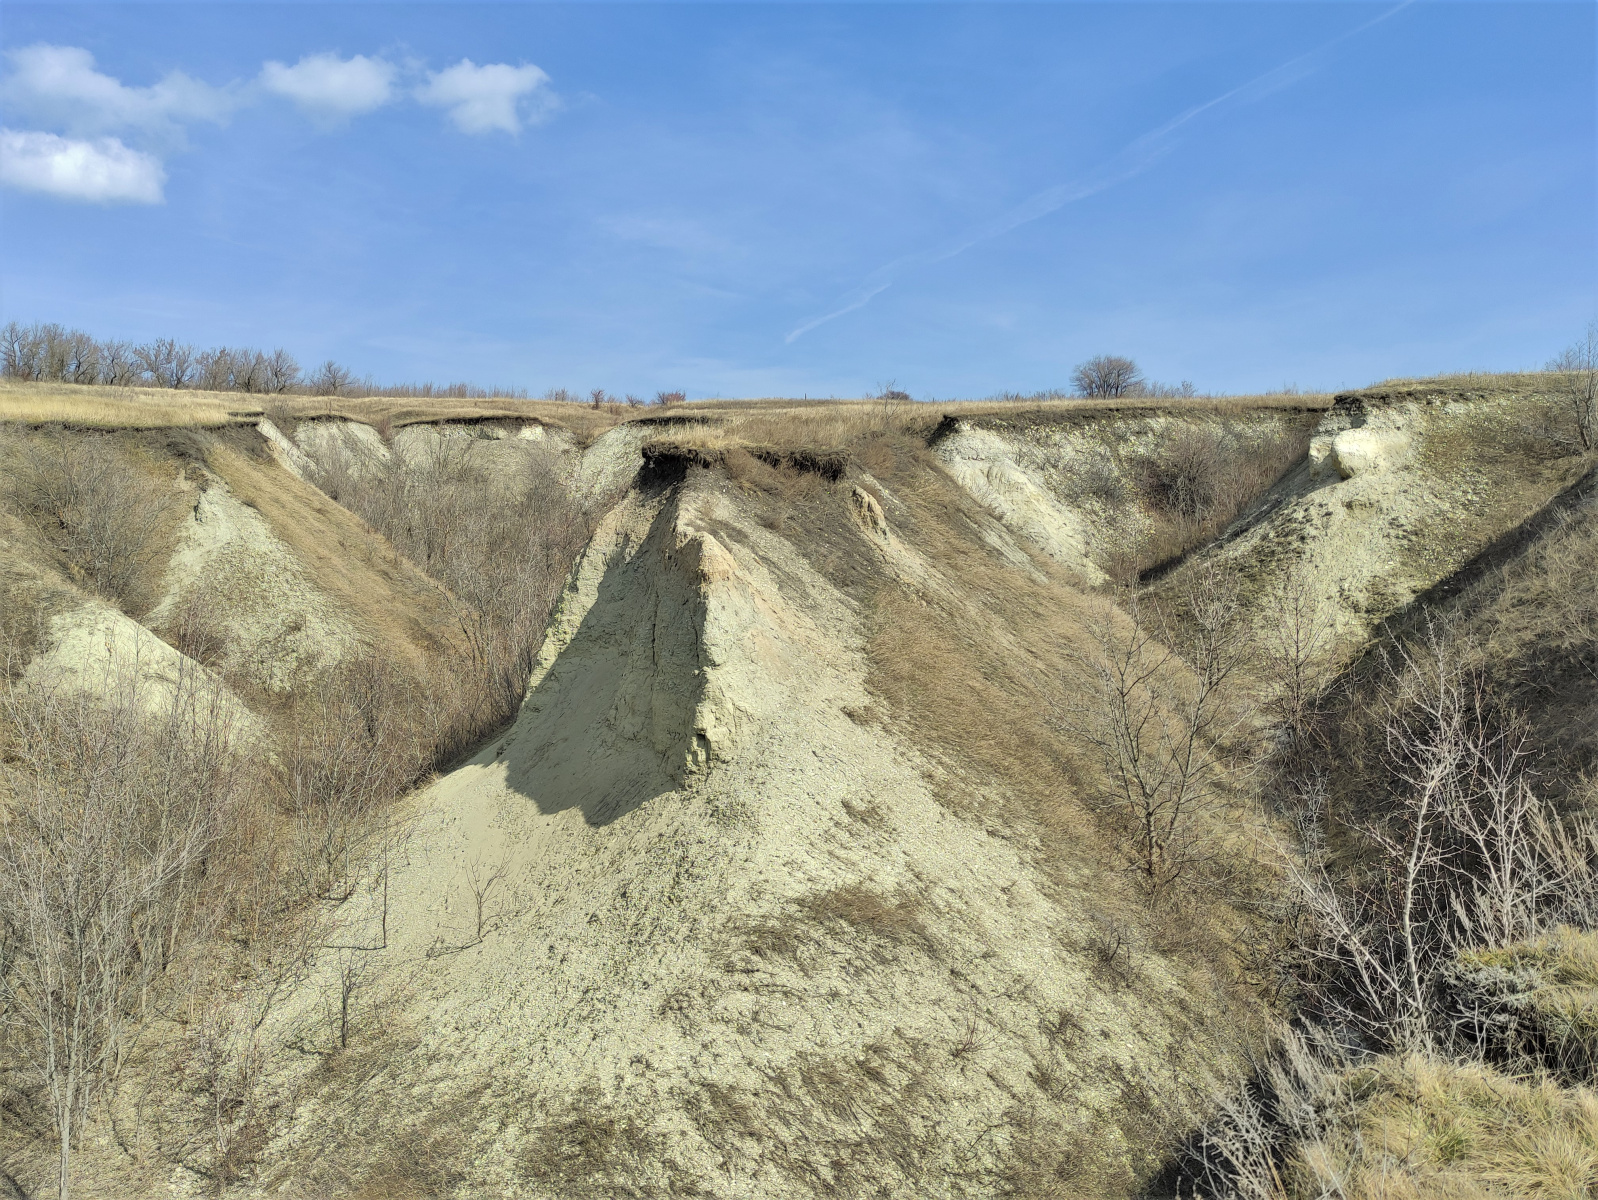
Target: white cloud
x,y
485,98
60,85
327,86
104,170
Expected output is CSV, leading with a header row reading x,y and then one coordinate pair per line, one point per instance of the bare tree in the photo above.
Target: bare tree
x,y
20,348
223,370
118,365
1295,641
1159,716
1578,388
352,968
1465,853
666,399
1107,375
250,372
112,815
168,363
280,371
80,359
331,379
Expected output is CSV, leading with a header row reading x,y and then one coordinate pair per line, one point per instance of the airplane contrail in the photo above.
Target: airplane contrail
x,y
1131,160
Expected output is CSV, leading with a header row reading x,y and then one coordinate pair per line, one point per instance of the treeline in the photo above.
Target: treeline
x,y
50,353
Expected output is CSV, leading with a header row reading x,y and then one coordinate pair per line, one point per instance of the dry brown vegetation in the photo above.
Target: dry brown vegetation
x,y
100,907
1444,887
1439,849
501,544
773,421
120,829
108,520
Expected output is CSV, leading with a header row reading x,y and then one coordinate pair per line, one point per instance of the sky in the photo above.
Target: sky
x,y
748,199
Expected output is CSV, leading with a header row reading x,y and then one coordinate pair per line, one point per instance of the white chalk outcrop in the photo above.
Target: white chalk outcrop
x,y
984,463
1363,451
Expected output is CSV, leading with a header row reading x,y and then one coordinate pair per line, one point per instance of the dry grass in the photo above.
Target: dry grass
x,y
830,423
159,408
397,607
895,919
777,422
1416,1128
118,408
1465,384
1534,1001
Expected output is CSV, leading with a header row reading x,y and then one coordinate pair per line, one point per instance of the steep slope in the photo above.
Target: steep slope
x,y
741,940
243,565
1402,486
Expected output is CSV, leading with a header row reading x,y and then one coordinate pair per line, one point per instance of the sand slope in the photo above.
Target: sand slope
x,y
735,922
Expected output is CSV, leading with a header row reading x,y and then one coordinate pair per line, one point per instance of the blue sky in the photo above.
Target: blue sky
x,y
761,199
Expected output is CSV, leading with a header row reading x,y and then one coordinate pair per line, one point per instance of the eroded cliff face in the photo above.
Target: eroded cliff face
x,y
733,924
1399,488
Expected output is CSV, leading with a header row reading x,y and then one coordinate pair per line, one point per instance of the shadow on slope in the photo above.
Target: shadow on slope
x,y
603,740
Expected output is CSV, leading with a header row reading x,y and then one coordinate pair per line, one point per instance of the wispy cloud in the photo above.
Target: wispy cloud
x,y
101,171
494,96
60,85
1127,163
331,88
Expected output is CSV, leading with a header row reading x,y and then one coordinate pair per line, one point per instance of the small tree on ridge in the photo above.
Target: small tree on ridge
x,y
1107,375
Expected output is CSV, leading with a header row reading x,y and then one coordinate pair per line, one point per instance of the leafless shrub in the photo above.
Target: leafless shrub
x,y
666,399
113,815
1110,942
1294,1096
194,627
354,750
1295,644
503,547
1196,483
353,966
221,1061
1170,391
1185,477
486,885
1097,477
1577,392
1466,855
108,521
974,1037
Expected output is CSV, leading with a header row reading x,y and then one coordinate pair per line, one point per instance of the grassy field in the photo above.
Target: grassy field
x,y
762,420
